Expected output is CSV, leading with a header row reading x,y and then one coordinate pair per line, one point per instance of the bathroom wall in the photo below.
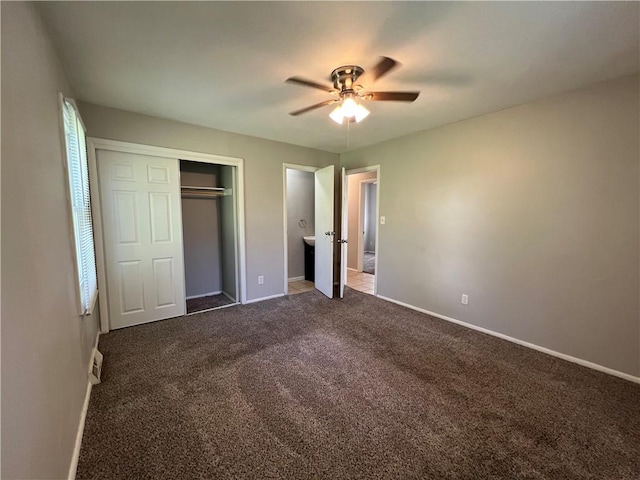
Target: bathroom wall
x,y
300,206
353,201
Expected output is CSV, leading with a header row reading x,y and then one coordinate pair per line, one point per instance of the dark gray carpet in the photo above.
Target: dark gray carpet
x,y
303,387
369,263
205,303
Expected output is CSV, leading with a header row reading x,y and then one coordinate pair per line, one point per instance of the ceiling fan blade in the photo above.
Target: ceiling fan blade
x,y
391,96
384,65
309,83
313,107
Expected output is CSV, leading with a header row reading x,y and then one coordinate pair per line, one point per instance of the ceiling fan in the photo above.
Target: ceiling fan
x,y
349,92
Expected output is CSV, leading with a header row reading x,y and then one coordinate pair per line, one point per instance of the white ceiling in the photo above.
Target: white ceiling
x,y
223,64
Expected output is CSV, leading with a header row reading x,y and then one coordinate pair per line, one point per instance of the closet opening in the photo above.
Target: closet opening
x,y
209,235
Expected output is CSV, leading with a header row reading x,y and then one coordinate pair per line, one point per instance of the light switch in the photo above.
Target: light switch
x,y
382,220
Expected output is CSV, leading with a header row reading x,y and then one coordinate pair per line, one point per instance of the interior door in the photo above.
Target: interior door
x,y
324,185
142,222
344,229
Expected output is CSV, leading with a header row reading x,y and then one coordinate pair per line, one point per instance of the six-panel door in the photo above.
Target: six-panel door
x,y
324,185
141,215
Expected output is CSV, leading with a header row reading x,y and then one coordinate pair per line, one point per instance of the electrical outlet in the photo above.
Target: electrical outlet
x,y
382,220
465,299
260,280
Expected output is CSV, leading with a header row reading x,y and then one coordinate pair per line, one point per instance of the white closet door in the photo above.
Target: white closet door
x,y
141,215
324,202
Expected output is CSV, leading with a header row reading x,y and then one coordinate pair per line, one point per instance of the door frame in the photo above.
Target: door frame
x,y
94,143
285,167
360,246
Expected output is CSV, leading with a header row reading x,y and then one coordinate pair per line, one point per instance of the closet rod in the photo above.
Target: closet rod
x,y
205,192
201,195
204,189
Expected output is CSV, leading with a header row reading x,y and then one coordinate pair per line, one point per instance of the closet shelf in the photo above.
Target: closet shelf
x,y
205,192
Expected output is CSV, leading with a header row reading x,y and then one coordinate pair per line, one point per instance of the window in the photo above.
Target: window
x,y
78,170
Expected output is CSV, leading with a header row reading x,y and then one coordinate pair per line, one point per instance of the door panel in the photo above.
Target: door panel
x,y
141,219
130,287
160,217
163,280
324,185
126,217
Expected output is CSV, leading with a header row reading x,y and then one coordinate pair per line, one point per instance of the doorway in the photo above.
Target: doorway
x,y
362,229
299,228
320,248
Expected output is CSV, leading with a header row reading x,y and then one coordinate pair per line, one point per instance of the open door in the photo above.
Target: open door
x,y
344,228
324,186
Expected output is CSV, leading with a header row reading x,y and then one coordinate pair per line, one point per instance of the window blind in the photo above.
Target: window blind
x,y
78,169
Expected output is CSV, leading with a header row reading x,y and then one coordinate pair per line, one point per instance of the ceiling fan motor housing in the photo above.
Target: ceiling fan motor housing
x,y
345,77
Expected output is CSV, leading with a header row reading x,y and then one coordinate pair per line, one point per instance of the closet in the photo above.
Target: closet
x,y
168,229
209,235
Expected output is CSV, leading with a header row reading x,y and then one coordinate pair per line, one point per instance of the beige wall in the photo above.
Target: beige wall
x,y
45,344
532,211
353,208
263,159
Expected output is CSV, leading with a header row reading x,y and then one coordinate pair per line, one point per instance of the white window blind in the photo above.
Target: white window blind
x,y
78,170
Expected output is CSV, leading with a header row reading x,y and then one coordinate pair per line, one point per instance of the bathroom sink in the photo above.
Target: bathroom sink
x,y
311,241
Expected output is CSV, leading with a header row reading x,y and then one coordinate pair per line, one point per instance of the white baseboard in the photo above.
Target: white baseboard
x,y
295,279
262,299
548,351
204,295
353,269
83,415
76,449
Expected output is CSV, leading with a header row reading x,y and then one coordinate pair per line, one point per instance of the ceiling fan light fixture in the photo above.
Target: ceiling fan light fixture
x,y
337,115
349,109
361,113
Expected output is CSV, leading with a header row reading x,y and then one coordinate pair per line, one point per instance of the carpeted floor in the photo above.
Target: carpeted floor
x,y
302,387
369,263
205,303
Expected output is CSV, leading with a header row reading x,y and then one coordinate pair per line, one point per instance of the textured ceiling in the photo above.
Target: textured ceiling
x,y
223,64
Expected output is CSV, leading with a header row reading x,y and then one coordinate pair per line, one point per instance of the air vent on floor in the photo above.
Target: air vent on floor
x,y
96,367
